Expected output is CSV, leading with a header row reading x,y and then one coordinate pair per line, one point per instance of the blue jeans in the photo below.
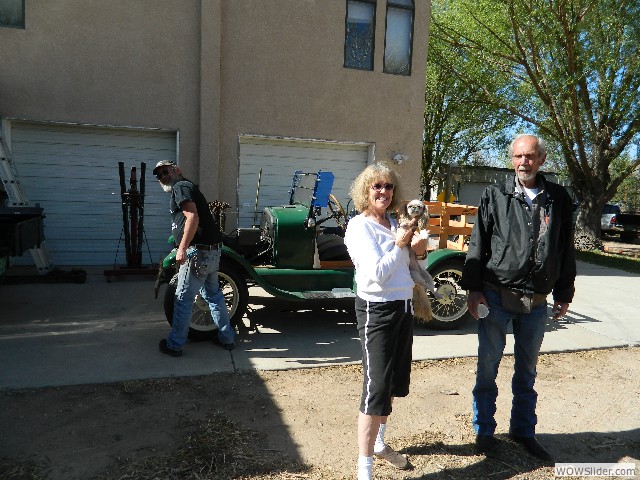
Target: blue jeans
x,y
192,279
528,332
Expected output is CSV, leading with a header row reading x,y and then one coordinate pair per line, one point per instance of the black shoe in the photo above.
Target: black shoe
x,y
487,445
226,346
532,446
164,348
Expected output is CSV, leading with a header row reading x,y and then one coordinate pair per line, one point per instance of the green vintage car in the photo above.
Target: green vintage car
x,y
293,254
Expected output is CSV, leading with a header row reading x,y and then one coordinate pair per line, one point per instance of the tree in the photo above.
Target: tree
x,y
572,70
459,128
628,193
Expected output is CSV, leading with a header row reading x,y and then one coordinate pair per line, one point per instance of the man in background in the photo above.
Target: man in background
x,y
199,241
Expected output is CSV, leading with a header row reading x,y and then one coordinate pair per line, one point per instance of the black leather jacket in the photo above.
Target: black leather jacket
x,y
507,248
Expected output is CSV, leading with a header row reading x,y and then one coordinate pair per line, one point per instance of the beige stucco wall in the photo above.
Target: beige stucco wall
x,y
283,74
116,62
212,69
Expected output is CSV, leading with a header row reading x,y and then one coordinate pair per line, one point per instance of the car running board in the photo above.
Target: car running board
x,y
335,293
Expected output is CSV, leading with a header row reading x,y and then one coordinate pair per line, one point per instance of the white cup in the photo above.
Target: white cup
x,y
483,311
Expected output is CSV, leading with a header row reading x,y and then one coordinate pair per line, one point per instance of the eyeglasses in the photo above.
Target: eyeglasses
x,y
379,186
162,173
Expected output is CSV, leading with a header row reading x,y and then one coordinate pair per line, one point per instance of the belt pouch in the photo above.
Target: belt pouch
x,y
517,301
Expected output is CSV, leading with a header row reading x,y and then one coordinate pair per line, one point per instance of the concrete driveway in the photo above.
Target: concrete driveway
x,y
96,332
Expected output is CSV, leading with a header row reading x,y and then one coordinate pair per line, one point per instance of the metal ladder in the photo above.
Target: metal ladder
x,y
18,198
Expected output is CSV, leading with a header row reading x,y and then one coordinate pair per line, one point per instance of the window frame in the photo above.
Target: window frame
x,y
392,4
373,45
22,26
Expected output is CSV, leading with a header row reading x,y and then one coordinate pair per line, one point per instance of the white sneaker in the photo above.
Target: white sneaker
x,y
394,458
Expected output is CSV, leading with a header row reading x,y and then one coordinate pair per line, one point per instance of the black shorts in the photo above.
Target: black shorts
x,y
386,336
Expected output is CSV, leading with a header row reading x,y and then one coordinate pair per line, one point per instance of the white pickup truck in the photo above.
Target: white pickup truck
x,y
609,221
627,224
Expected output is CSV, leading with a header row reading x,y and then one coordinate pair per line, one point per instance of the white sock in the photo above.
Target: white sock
x,y
365,468
379,445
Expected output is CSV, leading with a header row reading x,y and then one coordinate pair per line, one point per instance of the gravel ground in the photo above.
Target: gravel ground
x,y
300,424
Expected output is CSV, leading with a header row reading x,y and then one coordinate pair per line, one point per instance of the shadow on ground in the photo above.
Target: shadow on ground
x,y
195,427
309,333
435,459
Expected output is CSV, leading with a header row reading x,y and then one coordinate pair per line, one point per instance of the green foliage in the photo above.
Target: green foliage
x,y
628,193
459,126
621,262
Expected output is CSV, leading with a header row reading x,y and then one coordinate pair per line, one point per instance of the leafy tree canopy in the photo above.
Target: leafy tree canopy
x,y
566,69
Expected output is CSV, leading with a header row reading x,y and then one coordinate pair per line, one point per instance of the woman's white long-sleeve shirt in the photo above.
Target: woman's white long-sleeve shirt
x,y
382,269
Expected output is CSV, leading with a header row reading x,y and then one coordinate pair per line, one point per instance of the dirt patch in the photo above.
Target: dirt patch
x,y
301,423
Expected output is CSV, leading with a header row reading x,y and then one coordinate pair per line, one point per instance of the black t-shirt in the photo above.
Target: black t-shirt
x,y
208,232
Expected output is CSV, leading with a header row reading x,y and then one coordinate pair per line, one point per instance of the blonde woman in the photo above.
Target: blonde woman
x,y
379,250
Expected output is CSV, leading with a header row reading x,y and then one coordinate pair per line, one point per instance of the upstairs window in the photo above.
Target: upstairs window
x,y
359,34
12,13
398,38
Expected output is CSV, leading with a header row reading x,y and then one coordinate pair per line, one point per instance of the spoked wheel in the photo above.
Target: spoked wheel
x,y
450,311
337,211
235,291
236,295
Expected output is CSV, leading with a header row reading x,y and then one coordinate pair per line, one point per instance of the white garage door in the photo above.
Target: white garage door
x,y
279,159
72,172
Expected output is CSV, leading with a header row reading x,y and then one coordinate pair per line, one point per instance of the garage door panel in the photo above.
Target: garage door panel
x,y
279,159
103,170
69,257
59,226
67,136
96,206
95,203
72,172
267,194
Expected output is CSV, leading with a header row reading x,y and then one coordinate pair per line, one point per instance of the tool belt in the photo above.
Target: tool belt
x,y
516,300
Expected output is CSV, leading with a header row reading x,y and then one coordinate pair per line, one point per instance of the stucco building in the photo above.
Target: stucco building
x,y
225,87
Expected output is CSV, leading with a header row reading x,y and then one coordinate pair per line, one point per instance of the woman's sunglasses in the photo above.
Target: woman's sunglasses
x,y
379,186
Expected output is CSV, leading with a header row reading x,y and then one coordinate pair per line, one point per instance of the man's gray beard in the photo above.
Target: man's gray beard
x,y
525,177
174,180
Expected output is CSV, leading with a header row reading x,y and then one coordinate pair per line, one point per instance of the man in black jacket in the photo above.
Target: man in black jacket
x,y
521,250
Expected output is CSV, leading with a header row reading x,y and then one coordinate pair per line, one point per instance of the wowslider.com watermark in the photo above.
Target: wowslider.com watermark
x,y
595,470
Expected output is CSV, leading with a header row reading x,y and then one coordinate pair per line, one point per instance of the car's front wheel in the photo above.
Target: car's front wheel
x,y
450,311
236,295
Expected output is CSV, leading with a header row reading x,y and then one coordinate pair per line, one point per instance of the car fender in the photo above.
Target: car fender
x,y
439,256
